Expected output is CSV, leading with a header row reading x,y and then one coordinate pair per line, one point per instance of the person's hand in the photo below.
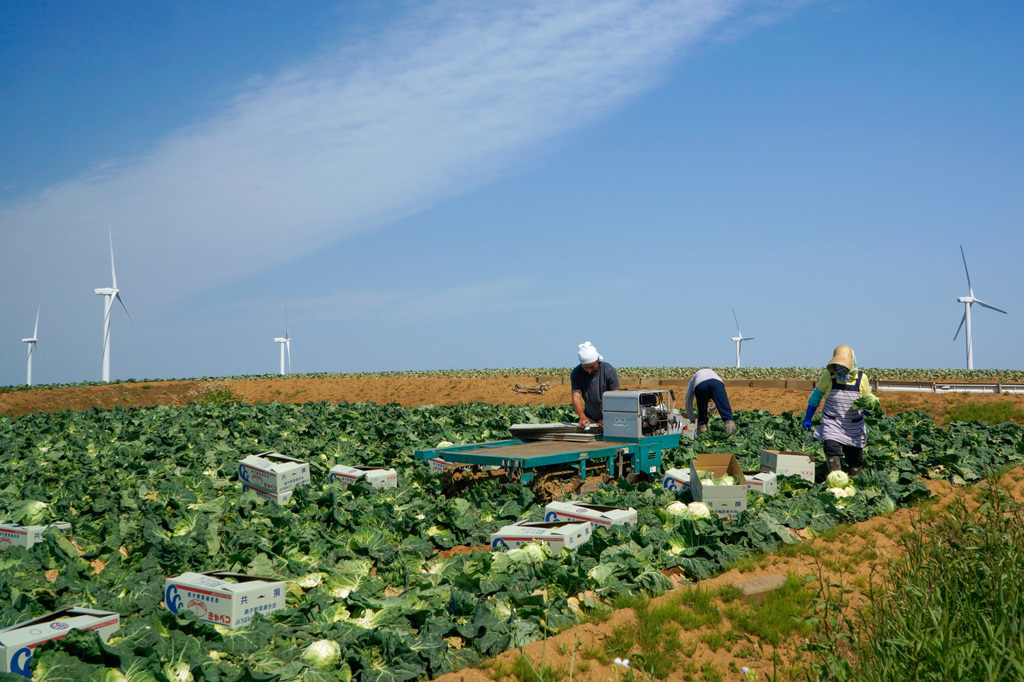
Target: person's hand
x,y
808,416
583,422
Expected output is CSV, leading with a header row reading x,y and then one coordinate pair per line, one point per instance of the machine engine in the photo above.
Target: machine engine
x,y
637,414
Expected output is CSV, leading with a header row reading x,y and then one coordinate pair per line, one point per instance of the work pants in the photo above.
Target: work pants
x,y
711,389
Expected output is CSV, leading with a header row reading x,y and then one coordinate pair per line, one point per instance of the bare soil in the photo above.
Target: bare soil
x,y
415,391
854,560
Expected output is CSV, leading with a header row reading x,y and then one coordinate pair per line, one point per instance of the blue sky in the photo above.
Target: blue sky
x,y
433,185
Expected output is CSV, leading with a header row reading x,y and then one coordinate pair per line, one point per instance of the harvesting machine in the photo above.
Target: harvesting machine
x,y
638,425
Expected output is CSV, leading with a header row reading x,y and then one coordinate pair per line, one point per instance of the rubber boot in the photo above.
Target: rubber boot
x,y
701,428
854,471
730,427
834,463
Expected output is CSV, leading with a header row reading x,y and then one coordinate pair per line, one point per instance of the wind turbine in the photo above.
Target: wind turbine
x,y
110,293
739,338
32,347
286,343
968,301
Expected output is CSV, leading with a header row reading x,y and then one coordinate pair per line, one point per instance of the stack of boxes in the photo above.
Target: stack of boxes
x,y
272,475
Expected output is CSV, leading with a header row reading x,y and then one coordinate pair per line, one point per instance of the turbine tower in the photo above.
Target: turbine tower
x,y
968,301
739,338
109,294
32,348
286,343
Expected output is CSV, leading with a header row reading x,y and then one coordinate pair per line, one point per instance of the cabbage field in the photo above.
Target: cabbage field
x,y
153,492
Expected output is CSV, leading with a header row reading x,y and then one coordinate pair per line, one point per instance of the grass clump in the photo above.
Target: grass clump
x,y
951,608
991,412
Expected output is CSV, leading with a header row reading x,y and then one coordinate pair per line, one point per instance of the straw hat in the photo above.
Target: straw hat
x,y
842,355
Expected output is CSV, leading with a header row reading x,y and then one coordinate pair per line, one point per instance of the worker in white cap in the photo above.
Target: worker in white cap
x,y
590,379
842,427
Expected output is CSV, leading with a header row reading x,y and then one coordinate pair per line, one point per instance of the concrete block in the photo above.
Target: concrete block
x,y
756,589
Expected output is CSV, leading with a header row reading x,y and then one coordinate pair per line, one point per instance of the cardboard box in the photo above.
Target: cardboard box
x,y
438,465
272,475
18,641
764,482
724,500
222,597
17,535
595,513
788,464
377,477
556,535
677,480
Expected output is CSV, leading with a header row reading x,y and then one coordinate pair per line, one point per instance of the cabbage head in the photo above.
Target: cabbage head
x,y
32,513
678,509
838,479
699,510
323,654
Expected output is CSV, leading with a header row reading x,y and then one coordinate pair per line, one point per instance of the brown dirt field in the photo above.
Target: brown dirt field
x,y
852,559
414,391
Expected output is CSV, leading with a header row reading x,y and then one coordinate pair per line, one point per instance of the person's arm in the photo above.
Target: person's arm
x,y
577,405
865,385
824,384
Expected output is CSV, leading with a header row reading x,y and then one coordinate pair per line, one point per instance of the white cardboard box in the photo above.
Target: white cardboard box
x,y
556,535
438,465
764,482
724,500
18,641
788,464
17,535
595,513
272,475
676,480
377,477
222,597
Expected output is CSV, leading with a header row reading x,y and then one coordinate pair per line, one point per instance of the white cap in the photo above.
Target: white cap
x,y
588,353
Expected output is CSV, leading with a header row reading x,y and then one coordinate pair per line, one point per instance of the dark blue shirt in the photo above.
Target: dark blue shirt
x,y
593,386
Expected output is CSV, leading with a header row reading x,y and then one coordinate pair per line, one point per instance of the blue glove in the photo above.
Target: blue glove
x,y
807,417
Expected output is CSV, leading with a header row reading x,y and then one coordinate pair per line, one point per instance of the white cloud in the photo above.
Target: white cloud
x,y
355,138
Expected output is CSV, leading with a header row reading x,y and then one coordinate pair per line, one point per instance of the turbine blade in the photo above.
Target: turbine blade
x,y
35,333
118,297
288,346
33,345
737,322
962,320
748,338
113,273
970,289
990,307
286,319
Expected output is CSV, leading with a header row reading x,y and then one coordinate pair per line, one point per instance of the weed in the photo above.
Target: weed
x,y
710,674
991,412
523,670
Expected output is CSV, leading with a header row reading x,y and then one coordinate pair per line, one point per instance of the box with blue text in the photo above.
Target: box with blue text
x,y
676,480
224,598
557,535
18,641
272,475
597,514
17,535
377,477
